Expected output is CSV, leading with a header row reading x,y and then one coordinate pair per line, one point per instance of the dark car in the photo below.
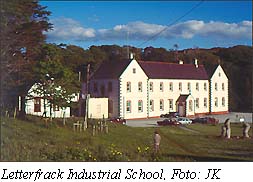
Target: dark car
x,y
170,115
206,120
118,120
166,122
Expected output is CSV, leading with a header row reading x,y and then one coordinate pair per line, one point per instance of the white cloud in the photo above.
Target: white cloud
x,y
69,29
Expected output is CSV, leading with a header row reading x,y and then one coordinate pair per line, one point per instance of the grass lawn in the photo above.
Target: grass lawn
x,y
30,140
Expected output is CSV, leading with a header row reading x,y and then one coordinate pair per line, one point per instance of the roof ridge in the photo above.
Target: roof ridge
x,y
162,62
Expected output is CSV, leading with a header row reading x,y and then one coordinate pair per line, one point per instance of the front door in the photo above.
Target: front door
x,y
181,109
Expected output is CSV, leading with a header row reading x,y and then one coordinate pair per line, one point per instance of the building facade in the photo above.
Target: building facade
x,y
38,105
144,89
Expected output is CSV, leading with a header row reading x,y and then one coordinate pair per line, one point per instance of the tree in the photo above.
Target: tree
x,y
22,25
56,82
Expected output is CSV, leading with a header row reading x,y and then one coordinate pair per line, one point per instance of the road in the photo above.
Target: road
x,y
234,117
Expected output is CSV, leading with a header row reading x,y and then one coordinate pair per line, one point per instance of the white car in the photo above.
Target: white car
x,y
184,120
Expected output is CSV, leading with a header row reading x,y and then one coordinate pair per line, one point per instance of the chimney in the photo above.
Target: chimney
x,y
196,63
181,62
131,56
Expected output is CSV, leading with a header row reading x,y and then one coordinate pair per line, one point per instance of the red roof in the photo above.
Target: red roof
x,y
163,70
154,70
111,69
182,98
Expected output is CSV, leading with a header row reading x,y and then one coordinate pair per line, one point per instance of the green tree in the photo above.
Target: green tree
x,y
56,82
22,25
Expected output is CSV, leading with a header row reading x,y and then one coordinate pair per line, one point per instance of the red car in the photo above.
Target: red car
x,y
118,120
206,120
170,122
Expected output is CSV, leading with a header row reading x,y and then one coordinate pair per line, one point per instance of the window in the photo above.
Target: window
x,y
205,102
134,70
140,86
128,106
161,86
216,101
128,86
171,104
197,102
180,86
151,87
216,86
110,106
219,74
171,86
205,87
151,105
102,90
95,87
189,86
161,105
110,87
197,86
37,105
223,86
190,105
140,106
223,101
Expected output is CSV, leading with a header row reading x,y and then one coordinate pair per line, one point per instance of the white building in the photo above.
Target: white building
x,y
147,89
37,104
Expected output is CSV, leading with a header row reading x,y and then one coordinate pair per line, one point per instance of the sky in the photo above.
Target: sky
x,y
189,24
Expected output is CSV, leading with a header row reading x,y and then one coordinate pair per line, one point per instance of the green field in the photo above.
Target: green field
x,y
31,140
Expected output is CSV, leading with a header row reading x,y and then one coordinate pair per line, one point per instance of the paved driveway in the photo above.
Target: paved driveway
x,y
234,117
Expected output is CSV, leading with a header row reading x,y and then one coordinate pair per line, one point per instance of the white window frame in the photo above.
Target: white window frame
x,y
161,87
128,106
161,104
151,86
140,86
140,106
171,86
128,86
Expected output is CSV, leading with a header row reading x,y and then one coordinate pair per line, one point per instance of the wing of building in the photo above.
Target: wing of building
x,y
144,89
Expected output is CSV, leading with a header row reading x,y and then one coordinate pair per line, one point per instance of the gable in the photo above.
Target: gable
x,y
219,73
133,71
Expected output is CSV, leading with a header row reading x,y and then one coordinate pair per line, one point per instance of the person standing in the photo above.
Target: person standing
x,y
157,140
228,129
246,128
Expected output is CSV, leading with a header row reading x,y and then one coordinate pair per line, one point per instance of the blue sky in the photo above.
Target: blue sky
x,y
211,24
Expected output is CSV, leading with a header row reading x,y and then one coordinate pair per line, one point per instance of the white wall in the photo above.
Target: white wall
x,y
218,78
98,108
174,94
29,106
55,114
134,96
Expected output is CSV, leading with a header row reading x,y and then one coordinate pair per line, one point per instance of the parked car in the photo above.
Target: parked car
x,y
170,115
117,120
206,120
183,120
170,122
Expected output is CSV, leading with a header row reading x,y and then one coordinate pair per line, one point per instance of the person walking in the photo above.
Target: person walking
x,y
157,140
